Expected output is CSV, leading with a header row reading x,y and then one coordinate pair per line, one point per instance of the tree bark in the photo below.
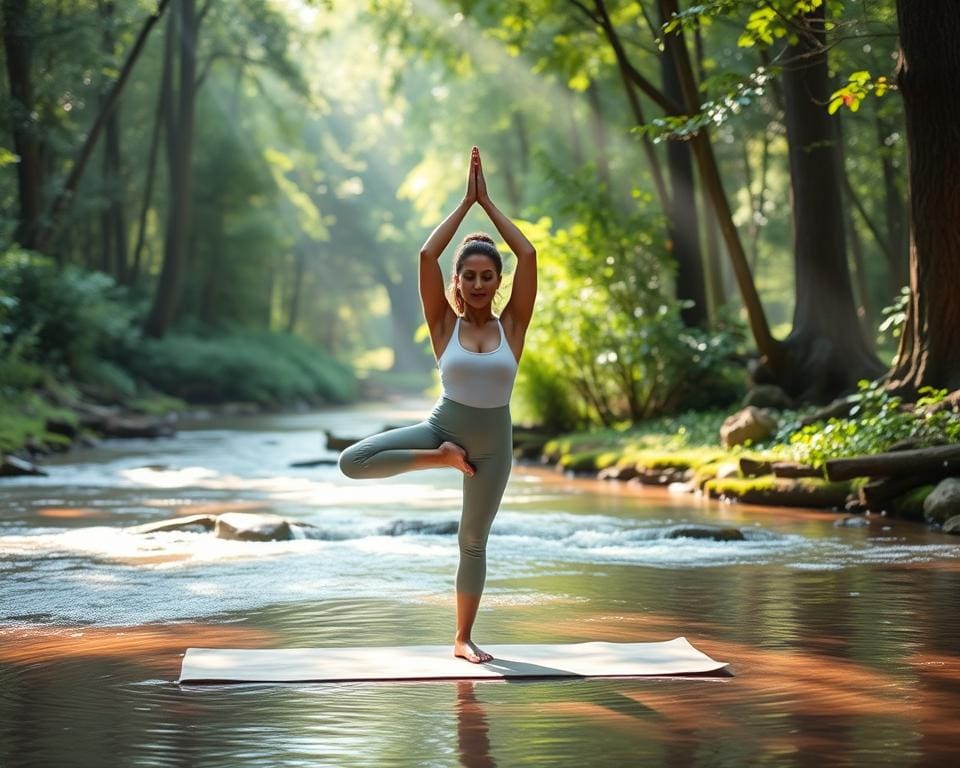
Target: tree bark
x,y
927,75
18,47
682,220
180,154
826,352
406,313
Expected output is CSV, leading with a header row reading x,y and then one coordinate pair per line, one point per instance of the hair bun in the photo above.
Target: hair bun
x,y
479,237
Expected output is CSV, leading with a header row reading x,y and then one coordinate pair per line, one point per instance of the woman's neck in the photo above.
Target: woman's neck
x,y
478,316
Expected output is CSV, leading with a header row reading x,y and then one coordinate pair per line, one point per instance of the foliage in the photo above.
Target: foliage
x,y
69,319
261,367
876,422
606,321
859,85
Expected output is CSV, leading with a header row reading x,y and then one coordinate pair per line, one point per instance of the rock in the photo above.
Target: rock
x,y
952,525
11,466
851,522
401,527
751,424
943,502
190,523
247,526
137,426
61,426
768,396
754,467
621,473
728,469
713,532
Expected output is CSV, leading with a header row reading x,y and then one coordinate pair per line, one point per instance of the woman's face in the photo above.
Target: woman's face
x,y
478,280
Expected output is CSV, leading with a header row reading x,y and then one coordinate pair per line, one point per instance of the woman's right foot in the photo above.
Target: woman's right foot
x,y
456,457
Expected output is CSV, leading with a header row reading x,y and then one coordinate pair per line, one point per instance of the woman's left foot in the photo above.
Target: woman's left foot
x,y
469,651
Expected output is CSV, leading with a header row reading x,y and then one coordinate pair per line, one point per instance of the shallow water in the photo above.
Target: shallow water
x,y
843,642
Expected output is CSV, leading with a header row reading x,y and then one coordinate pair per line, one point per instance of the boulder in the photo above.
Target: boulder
x,y
728,469
768,396
952,525
247,526
751,424
190,523
622,472
943,501
136,426
61,426
11,466
712,532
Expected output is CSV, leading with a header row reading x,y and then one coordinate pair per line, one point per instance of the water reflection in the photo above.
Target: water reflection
x,y
473,730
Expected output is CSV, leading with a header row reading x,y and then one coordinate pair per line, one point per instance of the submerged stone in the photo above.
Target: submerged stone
x,y
713,532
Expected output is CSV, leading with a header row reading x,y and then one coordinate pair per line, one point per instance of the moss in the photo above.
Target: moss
x,y
910,504
800,492
24,416
157,404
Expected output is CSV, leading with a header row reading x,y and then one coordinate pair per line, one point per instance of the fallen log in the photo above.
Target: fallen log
x,y
941,460
754,468
794,469
881,490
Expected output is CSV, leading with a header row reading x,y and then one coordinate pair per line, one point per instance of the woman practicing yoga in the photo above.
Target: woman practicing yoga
x,y
469,427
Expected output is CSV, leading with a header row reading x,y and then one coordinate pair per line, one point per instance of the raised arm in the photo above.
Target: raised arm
x,y
523,294
432,293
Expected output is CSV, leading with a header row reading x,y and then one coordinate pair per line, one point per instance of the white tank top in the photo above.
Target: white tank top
x,y
478,379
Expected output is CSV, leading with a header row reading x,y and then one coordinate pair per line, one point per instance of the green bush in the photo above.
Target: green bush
x,y
261,367
607,330
65,319
876,422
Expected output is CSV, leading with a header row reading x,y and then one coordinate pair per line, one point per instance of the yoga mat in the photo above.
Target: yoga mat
x,y
436,662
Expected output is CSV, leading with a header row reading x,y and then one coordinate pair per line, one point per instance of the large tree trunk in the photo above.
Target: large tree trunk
x,y
682,219
826,353
180,155
928,71
18,47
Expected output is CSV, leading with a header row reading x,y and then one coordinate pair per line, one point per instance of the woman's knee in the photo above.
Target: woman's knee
x,y
350,462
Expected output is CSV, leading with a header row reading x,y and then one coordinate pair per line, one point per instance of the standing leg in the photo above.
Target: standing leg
x,y
401,450
481,500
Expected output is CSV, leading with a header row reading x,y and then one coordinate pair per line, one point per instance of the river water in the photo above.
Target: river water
x,y
844,643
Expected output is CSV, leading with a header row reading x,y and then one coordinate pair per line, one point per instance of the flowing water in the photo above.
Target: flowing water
x,y
844,643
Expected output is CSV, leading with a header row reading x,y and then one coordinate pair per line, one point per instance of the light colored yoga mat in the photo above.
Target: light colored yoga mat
x,y
435,662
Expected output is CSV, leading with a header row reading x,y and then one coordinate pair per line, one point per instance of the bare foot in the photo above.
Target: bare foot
x,y
457,457
466,649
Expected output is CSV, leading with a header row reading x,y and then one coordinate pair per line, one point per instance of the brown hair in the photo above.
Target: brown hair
x,y
478,242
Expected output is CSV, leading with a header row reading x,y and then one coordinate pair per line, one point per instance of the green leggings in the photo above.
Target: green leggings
x,y
486,434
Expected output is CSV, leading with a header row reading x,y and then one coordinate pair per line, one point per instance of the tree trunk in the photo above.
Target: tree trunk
x,y
598,130
826,352
26,143
180,145
682,219
897,244
768,347
300,269
928,71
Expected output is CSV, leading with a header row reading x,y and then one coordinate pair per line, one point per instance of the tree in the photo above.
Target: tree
x,y
927,72
826,353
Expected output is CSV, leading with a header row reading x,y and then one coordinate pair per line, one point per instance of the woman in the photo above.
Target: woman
x,y
477,352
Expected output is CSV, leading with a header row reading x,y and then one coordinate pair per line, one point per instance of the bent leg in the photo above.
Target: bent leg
x,y
390,453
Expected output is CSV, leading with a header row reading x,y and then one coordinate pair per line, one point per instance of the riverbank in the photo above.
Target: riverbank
x,y
778,459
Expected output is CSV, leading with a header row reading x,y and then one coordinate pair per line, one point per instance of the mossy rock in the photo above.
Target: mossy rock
x,y
780,492
910,504
587,461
